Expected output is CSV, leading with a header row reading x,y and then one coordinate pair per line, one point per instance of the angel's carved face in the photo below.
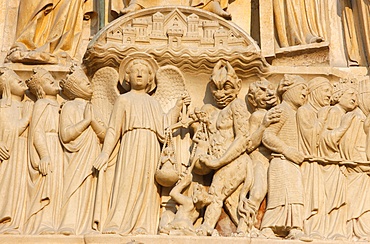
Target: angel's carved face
x,y
225,86
139,76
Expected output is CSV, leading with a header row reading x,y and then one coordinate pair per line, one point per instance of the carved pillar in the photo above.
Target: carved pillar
x,y
267,31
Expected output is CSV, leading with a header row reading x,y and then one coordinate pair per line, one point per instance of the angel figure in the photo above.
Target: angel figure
x,y
81,135
15,117
137,121
46,156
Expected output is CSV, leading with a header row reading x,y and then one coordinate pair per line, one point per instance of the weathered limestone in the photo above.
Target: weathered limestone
x,y
184,121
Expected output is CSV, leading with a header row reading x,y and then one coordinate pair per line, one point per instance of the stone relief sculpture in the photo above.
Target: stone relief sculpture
x,y
305,23
81,134
14,120
49,31
136,212
87,161
337,120
309,130
261,97
284,213
46,156
219,7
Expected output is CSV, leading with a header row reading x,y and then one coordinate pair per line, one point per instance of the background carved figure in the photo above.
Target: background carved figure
x,y
138,122
49,30
80,134
284,212
337,120
309,129
46,156
15,117
261,97
300,22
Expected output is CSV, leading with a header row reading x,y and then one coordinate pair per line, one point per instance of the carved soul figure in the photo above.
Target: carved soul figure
x,y
284,213
138,122
15,116
309,129
80,134
218,7
337,120
46,156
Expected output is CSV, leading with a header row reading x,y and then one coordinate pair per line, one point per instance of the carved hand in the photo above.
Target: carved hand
x,y
293,155
45,165
4,151
101,162
271,116
185,99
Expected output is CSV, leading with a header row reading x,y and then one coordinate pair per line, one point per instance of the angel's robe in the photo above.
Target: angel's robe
x,y
13,171
79,180
138,120
45,192
335,180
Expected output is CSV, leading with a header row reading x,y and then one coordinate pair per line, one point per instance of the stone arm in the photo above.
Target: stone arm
x,y
241,140
115,126
270,138
69,131
256,130
26,117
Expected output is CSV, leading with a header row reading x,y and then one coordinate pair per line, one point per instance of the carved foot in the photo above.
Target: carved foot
x,y
204,230
139,231
131,8
11,231
268,233
110,231
48,231
66,231
316,39
214,7
296,234
31,57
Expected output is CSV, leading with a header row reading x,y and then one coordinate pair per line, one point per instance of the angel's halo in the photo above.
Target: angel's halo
x,y
137,55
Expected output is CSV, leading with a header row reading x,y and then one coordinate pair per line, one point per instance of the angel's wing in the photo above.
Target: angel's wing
x,y
170,86
104,83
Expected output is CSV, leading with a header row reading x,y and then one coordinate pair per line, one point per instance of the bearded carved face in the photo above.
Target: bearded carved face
x,y
224,85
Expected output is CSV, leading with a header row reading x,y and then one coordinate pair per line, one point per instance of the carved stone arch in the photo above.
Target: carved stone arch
x,y
188,38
